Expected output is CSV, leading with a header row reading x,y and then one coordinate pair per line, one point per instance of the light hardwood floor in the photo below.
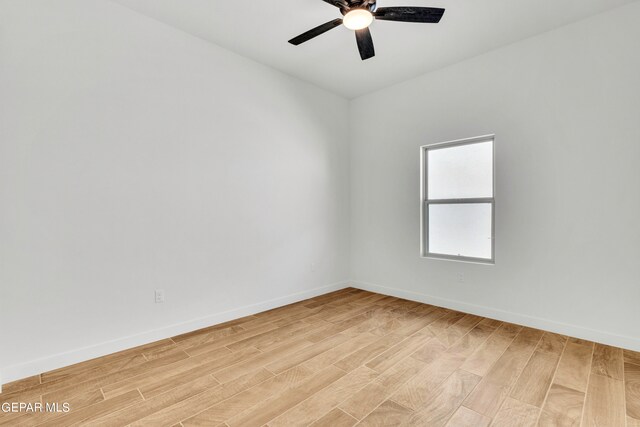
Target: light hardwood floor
x,y
345,358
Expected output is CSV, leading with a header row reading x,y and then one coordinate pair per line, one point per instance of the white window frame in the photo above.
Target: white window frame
x,y
425,201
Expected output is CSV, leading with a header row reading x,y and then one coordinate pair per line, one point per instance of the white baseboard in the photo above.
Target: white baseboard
x,y
38,366
34,367
603,337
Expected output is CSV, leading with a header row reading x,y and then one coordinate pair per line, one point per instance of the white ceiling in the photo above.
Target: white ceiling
x,y
259,29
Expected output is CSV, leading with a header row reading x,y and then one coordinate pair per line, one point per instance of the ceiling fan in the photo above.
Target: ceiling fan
x,y
359,14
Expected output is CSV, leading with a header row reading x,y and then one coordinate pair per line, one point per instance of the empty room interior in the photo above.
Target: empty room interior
x,y
320,213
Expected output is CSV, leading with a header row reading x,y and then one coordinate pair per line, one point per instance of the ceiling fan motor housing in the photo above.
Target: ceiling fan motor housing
x,y
370,5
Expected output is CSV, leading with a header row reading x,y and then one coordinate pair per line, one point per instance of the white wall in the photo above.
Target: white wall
x,y
135,157
565,108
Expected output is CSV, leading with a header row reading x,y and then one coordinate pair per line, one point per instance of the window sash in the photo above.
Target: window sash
x,y
426,253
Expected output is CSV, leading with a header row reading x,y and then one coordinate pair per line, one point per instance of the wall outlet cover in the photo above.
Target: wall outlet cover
x,y
159,296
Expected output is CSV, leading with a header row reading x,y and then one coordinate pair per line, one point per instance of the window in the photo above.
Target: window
x,y
457,200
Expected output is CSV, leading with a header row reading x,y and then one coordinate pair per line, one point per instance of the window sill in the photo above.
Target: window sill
x,y
468,260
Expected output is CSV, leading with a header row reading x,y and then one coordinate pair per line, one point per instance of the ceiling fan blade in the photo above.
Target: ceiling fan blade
x,y
410,14
315,32
365,43
343,4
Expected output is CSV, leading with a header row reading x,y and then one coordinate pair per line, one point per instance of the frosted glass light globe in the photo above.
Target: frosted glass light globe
x,y
357,19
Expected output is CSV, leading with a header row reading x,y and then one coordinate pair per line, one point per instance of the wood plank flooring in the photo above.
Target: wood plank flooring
x,y
346,358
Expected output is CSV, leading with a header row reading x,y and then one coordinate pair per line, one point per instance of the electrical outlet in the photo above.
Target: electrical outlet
x,y
313,267
460,277
159,296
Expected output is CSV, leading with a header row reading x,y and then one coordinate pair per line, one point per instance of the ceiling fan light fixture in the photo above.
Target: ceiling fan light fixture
x,y
357,19
362,15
